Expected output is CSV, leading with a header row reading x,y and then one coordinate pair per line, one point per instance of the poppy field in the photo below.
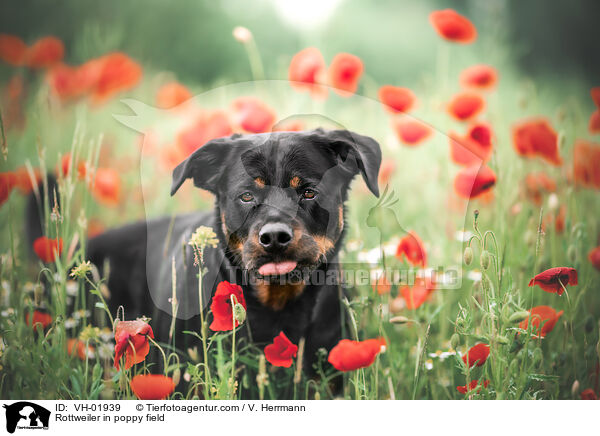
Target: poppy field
x,y
474,275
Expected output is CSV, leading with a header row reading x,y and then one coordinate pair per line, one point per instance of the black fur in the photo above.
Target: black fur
x,y
277,169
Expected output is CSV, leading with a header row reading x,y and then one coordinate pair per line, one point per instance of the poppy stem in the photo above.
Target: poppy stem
x,y
234,321
161,352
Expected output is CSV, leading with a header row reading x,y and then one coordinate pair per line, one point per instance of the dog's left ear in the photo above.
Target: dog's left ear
x,y
205,165
364,150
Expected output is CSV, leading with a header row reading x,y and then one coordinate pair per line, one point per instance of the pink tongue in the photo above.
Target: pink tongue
x,y
277,269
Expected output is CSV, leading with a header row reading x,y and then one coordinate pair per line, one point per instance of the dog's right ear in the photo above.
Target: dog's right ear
x,y
205,165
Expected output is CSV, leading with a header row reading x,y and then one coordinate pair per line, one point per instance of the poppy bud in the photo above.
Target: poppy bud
x,y
519,316
38,293
399,320
484,260
537,356
514,367
317,395
193,353
575,388
242,34
502,340
239,313
553,202
176,376
454,341
468,255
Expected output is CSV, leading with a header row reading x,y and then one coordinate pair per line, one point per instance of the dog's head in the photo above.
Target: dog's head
x,y
280,199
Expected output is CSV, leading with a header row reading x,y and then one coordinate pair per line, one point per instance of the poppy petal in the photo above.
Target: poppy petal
x,y
466,106
411,132
152,386
453,27
473,181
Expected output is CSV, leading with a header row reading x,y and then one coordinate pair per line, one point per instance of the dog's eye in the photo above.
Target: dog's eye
x,y
247,197
309,194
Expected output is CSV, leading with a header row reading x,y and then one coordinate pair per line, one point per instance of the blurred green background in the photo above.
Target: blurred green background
x,y
193,38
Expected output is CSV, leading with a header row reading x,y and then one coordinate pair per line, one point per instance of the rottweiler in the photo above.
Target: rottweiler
x,y
279,216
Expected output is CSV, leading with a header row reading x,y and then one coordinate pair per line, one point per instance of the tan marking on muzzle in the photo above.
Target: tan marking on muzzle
x,y
323,243
259,182
295,182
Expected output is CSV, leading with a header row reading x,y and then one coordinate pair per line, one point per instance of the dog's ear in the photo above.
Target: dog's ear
x,y
365,153
205,165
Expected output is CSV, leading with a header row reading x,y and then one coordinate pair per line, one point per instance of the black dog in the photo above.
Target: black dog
x,y
279,217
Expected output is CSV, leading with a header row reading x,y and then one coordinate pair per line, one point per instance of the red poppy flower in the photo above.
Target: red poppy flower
x,y
221,306
536,137
77,346
473,181
39,318
412,247
47,249
114,73
65,163
253,115
307,72
474,148
551,279
7,183
543,316
349,355
67,82
344,73
152,386
588,394
382,285
595,93
477,355
472,385
465,106
131,338
482,77
281,352
106,187
172,94
452,26
12,49
45,52
594,257
23,180
586,164
536,185
417,294
396,99
206,127
411,132
594,125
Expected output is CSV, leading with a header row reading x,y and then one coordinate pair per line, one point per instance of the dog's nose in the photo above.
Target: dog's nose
x,y
275,236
